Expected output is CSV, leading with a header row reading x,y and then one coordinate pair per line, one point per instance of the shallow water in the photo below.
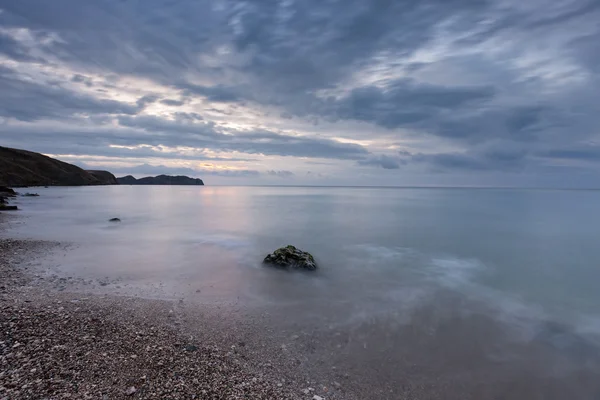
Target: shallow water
x,y
528,259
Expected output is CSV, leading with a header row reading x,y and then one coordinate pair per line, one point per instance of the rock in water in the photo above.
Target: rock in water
x,y
291,257
114,220
7,192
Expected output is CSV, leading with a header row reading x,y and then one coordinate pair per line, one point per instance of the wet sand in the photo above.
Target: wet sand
x,y
59,341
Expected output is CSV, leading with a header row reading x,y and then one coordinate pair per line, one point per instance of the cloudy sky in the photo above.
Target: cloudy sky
x,y
360,92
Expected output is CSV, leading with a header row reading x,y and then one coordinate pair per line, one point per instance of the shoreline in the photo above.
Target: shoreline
x,y
444,346
61,344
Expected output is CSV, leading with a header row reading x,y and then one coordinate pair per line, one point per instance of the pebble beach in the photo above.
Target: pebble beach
x,y
67,345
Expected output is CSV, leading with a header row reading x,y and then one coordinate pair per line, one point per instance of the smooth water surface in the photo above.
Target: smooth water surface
x,y
525,253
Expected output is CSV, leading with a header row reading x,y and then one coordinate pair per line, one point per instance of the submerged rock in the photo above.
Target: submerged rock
x,y
4,207
291,257
114,220
31,195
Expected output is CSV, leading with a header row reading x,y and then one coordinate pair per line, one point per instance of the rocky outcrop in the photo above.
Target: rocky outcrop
x,y
291,257
25,168
104,176
160,180
5,193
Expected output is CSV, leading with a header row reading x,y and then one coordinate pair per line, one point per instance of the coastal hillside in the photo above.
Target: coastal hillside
x,y
160,180
26,168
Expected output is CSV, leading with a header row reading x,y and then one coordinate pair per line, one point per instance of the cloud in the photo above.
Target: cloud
x,y
31,101
495,158
281,174
153,170
208,135
155,132
405,103
582,152
77,78
11,49
383,161
145,100
217,94
170,102
465,87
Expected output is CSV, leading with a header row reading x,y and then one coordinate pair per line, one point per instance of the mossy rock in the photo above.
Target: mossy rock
x,y
291,257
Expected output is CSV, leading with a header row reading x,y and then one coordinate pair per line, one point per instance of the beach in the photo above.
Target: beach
x,y
58,344
141,310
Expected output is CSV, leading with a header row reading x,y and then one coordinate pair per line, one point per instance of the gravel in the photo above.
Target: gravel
x,y
66,350
60,345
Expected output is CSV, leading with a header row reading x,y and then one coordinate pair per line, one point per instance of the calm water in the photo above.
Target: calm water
x,y
525,254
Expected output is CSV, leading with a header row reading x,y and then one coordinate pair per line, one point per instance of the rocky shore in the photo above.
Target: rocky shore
x,y
68,345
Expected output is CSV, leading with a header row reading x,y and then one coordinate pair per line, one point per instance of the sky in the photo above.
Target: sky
x,y
309,92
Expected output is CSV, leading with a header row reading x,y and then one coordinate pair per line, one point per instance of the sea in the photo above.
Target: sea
x,y
494,283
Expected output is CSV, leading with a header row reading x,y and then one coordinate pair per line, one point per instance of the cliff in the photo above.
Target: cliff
x,y
160,180
26,168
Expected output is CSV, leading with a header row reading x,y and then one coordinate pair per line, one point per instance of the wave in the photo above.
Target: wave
x,y
427,274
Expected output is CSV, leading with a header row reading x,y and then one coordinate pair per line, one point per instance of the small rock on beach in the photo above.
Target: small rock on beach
x,y
291,257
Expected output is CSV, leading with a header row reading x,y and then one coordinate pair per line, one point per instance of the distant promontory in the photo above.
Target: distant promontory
x,y
19,168
160,180
25,168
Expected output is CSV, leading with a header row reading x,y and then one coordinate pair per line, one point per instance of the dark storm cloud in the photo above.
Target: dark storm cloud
x,y
466,72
